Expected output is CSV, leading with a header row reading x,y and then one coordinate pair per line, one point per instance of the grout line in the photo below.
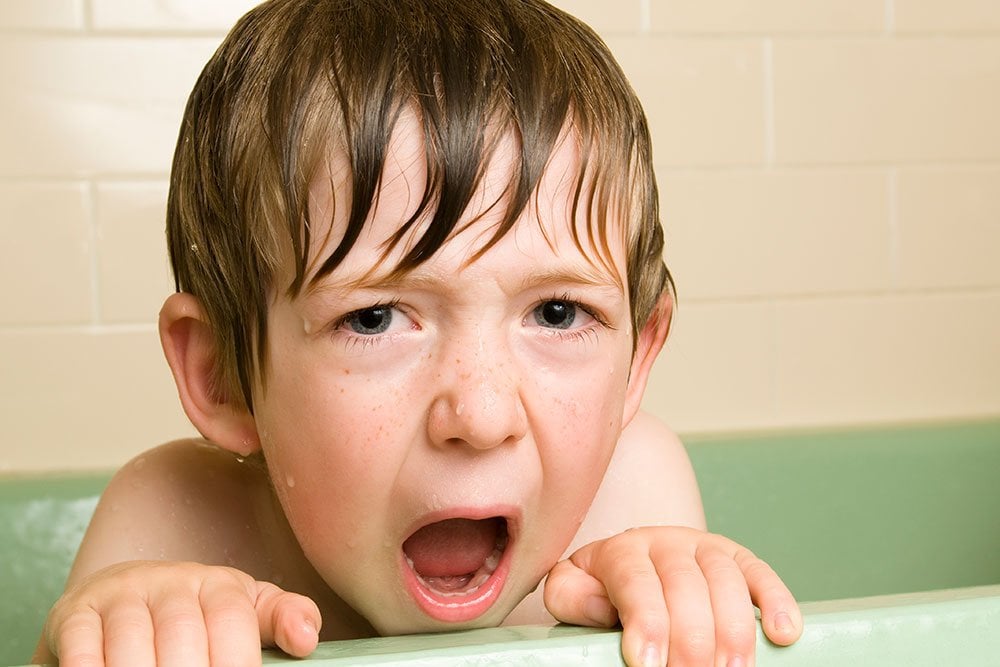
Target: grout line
x,y
769,140
88,15
76,329
90,195
793,297
895,232
773,361
748,167
645,17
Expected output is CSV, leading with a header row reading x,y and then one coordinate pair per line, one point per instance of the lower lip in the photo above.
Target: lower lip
x,y
458,609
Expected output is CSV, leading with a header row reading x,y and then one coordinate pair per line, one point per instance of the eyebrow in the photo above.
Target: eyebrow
x,y
578,276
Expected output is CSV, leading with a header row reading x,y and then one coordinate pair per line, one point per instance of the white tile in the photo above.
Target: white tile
x,y
41,14
886,100
892,358
747,16
45,237
704,98
715,372
776,232
217,15
75,105
74,400
949,227
134,274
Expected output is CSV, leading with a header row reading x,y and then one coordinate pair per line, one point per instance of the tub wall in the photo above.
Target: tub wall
x,y
830,175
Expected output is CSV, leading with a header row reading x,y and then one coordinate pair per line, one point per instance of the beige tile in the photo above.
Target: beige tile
x,y
80,400
704,98
954,15
45,236
715,372
605,17
81,105
41,14
874,100
134,272
733,16
773,233
949,221
218,15
888,359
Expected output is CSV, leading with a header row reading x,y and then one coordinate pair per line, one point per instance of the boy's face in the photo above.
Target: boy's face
x,y
435,442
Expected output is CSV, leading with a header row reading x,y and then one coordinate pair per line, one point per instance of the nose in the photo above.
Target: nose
x,y
477,402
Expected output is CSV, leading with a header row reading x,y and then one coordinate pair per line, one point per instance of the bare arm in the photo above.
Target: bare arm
x,y
166,522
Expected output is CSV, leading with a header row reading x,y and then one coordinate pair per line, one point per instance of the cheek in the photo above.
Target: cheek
x,y
330,440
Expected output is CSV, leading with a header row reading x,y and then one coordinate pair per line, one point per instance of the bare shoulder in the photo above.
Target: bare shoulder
x,y
649,481
185,500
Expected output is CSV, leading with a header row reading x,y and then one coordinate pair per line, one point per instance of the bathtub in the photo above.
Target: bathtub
x,y
889,536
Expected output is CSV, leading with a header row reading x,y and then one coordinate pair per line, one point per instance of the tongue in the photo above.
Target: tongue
x,y
453,547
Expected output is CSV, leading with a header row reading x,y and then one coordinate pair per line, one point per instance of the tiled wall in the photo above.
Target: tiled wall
x,y
830,174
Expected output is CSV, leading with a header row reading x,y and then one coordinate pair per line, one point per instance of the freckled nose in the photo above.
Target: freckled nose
x,y
477,403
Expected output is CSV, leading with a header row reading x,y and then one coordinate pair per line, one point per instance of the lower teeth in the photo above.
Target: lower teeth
x,y
465,584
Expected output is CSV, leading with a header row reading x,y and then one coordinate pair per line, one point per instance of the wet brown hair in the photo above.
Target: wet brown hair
x,y
295,79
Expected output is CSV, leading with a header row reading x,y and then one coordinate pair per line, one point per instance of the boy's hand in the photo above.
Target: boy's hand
x,y
679,592
177,614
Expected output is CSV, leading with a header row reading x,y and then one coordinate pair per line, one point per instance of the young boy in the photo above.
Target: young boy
x,y
421,288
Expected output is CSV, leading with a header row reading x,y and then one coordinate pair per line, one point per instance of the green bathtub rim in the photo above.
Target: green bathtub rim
x,y
956,627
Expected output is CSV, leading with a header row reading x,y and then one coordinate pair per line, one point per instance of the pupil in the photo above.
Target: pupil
x,y
556,314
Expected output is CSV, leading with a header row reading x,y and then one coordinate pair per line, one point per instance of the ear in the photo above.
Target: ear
x,y
647,347
190,349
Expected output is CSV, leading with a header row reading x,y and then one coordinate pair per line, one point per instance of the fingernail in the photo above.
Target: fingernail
x,y
736,661
783,623
651,656
597,609
310,628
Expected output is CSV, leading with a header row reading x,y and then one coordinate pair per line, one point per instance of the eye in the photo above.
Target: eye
x,y
556,314
370,321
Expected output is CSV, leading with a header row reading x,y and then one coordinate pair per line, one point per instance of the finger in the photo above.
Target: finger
x,y
287,620
689,606
735,624
573,596
779,613
79,639
231,624
634,589
180,635
128,633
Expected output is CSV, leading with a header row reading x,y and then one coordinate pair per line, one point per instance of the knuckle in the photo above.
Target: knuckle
x,y
694,647
735,634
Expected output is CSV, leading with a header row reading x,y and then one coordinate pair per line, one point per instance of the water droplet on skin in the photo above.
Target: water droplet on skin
x,y
290,481
459,408
240,459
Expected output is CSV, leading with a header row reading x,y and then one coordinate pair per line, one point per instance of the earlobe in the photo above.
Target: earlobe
x,y
190,350
647,347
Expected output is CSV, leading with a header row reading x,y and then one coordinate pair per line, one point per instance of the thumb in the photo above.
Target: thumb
x,y
288,621
573,596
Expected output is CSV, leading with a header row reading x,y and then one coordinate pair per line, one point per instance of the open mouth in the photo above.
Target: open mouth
x,y
456,567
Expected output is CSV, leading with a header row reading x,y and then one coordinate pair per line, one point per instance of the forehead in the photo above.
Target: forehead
x,y
560,218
